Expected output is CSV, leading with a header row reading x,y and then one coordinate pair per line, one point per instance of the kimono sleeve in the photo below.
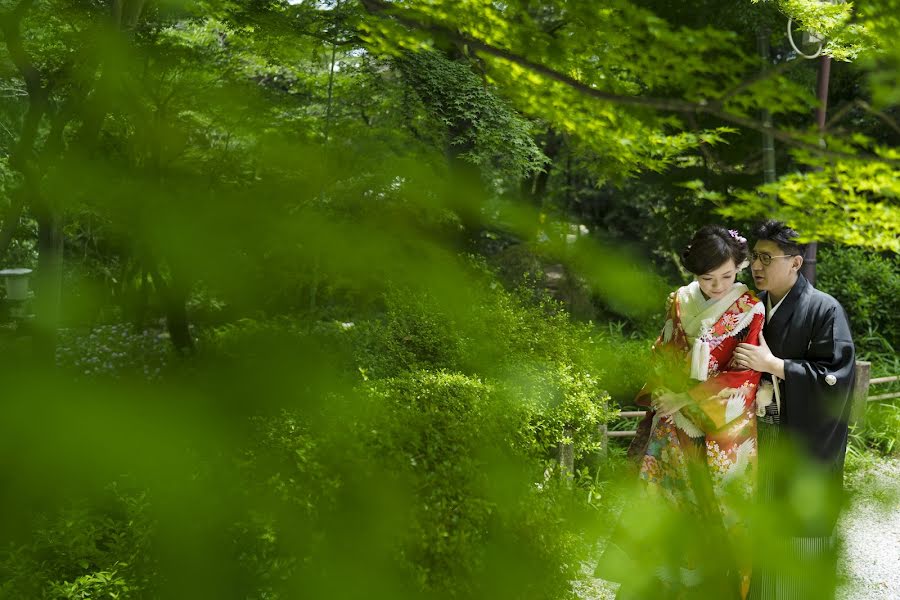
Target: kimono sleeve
x,y
730,394
663,350
818,386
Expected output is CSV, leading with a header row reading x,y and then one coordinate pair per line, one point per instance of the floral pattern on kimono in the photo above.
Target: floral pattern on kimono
x,y
718,425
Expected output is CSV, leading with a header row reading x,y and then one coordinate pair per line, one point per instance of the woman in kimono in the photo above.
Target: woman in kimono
x,y
697,443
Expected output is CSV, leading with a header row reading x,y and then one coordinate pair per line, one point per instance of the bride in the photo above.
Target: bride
x,y
697,444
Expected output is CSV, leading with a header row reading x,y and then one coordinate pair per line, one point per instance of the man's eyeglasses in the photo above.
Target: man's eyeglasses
x,y
766,259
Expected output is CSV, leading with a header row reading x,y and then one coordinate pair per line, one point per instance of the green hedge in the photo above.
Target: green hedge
x,y
867,284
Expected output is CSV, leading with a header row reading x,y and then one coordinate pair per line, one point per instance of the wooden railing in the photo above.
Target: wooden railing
x,y
860,398
890,396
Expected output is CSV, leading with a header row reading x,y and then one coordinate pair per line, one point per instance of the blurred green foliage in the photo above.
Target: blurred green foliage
x,y
462,436
97,548
260,233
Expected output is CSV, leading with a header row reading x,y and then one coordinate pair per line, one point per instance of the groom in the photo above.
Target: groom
x,y
807,354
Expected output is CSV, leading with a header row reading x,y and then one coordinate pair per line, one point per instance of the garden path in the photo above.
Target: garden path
x,y
871,528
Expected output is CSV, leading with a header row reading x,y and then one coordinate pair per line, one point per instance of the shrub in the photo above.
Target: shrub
x,y
97,548
114,351
284,478
882,430
436,427
101,584
458,442
867,284
533,352
430,452
463,421
414,333
431,481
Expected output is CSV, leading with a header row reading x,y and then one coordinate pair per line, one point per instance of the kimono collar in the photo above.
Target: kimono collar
x,y
697,310
782,316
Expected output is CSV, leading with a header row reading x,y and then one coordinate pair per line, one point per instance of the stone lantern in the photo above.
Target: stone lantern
x,y
17,292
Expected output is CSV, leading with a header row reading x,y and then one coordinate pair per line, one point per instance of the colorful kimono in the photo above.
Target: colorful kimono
x,y
715,431
700,336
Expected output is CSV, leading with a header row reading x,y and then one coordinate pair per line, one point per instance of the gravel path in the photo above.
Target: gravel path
x,y
871,530
872,535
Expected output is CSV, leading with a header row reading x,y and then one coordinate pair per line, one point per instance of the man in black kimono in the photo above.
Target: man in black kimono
x,y
807,354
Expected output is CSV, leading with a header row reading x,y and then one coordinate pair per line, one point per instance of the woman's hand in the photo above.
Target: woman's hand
x,y
669,402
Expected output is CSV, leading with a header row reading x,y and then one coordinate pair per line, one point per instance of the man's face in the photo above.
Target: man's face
x,y
781,271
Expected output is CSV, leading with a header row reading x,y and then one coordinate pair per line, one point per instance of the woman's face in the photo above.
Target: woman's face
x,y
717,282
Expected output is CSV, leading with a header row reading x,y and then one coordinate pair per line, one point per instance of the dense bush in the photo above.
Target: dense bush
x,y
97,548
559,369
466,449
867,284
432,482
438,432
466,409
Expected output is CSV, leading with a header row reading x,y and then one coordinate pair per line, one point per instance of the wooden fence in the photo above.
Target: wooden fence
x,y
860,398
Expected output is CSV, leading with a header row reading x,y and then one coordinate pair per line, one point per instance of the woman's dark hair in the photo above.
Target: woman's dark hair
x,y
711,247
781,234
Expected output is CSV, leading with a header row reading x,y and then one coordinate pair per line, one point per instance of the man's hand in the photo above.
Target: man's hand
x,y
759,358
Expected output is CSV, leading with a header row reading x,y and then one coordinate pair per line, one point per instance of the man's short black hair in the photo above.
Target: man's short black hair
x,y
782,235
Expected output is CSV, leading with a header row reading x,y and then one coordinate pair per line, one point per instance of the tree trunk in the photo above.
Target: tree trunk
x,y
48,285
174,297
21,156
177,319
534,188
11,221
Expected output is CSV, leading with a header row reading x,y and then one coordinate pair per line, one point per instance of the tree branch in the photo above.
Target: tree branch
x,y
846,108
838,115
378,8
404,17
747,83
9,24
881,115
752,165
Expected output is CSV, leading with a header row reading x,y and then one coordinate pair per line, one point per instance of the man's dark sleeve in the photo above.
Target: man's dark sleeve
x,y
818,387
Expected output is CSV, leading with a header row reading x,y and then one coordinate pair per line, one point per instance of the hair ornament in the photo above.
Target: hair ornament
x,y
734,233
